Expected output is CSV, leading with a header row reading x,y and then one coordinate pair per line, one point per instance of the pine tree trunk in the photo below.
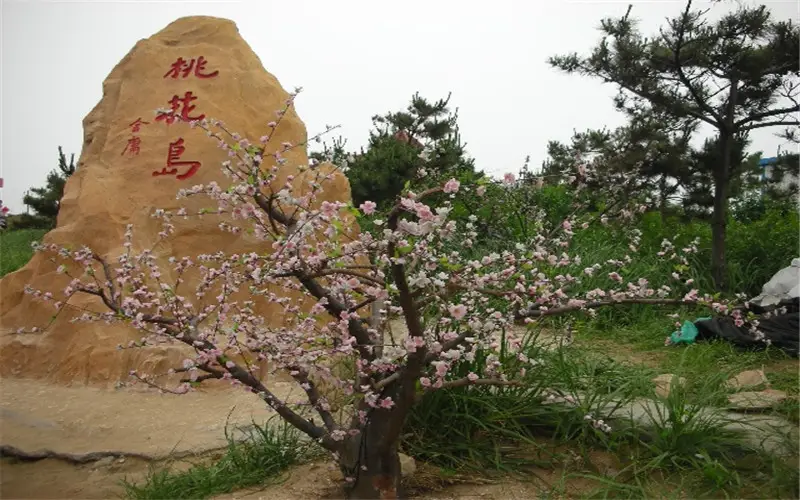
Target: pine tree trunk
x,y
662,208
719,218
371,469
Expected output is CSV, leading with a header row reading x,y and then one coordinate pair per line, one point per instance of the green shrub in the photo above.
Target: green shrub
x,y
28,221
759,249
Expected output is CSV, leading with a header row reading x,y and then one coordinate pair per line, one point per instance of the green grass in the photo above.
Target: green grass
x,y
689,451
257,460
686,452
15,248
480,430
638,336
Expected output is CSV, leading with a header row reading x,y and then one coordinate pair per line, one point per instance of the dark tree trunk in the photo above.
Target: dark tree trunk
x,y
722,182
371,468
662,207
719,219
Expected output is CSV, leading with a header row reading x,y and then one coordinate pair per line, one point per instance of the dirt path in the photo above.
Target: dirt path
x,y
322,481
56,479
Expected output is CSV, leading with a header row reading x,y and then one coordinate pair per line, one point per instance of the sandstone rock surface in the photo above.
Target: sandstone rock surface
x,y
133,162
37,417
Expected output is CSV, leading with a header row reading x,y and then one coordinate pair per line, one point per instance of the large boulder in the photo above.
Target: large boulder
x,y
132,162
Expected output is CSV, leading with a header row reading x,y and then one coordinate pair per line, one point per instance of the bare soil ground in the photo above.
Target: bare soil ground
x,y
58,479
95,438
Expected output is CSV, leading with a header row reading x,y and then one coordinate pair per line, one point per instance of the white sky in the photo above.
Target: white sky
x,y
354,58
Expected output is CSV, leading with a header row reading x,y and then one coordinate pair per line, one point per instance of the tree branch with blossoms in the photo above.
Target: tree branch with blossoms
x,y
324,275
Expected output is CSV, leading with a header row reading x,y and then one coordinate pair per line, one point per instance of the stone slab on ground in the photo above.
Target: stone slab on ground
x,y
756,400
36,417
770,433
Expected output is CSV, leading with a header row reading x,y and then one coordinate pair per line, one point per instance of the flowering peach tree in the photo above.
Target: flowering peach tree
x,y
339,289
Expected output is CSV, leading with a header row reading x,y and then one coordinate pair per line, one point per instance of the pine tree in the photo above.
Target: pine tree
x,y
46,201
730,74
397,144
651,148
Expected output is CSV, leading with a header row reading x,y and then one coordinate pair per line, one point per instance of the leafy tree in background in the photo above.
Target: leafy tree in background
x,y
46,201
730,75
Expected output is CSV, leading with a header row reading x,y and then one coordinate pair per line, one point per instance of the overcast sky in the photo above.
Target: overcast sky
x,y
354,58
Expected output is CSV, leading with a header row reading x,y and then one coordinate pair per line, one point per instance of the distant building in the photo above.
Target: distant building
x,y
790,177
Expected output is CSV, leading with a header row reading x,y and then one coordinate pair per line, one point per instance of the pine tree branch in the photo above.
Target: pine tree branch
x,y
767,114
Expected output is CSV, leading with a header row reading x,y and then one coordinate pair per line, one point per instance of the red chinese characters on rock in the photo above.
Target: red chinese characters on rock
x,y
184,105
133,147
184,68
136,126
176,150
182,108
134,142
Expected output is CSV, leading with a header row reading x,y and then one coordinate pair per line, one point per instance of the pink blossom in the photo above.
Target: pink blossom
x,y
329,209
472,377
424,212
441,368
368,207
451,186
509,179
458,311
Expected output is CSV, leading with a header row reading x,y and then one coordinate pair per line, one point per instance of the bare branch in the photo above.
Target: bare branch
x,y
481,381
766,114
771,124
679,67
313,397
335,308
346,272
602,303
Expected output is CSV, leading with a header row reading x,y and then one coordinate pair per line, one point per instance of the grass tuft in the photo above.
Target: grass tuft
x,y
258,459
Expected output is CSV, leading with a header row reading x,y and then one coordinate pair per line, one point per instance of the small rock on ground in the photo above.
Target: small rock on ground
x,y
407,465
748,379
664,383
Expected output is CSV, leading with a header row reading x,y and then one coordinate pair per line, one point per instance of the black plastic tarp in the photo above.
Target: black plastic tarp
x,y
782,331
